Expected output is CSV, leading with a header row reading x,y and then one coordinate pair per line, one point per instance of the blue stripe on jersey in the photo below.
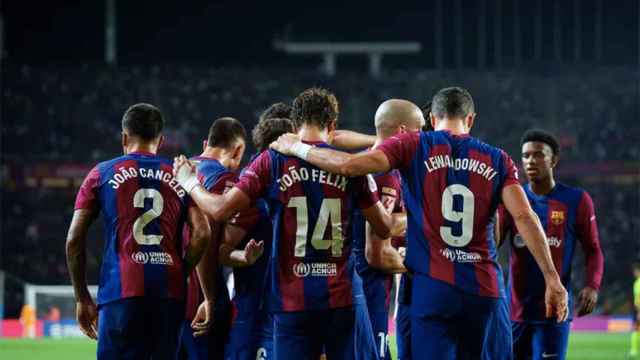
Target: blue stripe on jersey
x,y
153,274
463,272
314,286
109,290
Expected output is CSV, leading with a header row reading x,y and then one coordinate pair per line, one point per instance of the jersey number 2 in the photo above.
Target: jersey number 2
x,y
330,210
148,216
464,216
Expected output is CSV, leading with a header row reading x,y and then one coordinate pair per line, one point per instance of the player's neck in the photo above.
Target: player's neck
x,y
143,148
544,186
455,127
313,133
216,153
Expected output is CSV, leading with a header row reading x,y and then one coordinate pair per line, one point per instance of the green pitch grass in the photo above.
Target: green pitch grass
x,y
583,346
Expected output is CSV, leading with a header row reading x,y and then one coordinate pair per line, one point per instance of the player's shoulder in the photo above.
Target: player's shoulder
x,y
571,193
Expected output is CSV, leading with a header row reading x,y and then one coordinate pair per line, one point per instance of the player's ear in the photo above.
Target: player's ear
x,y
433,120
331,126
402,129
204,144
160,141
554,160
124,140
470,120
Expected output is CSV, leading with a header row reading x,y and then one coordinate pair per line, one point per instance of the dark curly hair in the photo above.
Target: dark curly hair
x,y
268,130
278,110
316,106
426,110
539,135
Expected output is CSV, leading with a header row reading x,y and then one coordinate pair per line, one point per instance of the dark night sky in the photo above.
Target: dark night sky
x,y
241,32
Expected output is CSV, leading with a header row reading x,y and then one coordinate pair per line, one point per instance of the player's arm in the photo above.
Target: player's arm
x,y
333,161
587,231
351,140
200,236
381,254
530,228
218,207
398,223
230,256
76,251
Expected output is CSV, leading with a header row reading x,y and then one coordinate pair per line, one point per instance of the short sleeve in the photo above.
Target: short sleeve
x,y
365,191
223,183
255,179
511,170
87,197
247,219
400,149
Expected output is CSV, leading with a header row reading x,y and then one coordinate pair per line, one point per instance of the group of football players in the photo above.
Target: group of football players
x,y
293,257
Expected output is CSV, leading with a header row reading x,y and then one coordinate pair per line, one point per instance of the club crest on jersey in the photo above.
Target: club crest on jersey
x,y
557,217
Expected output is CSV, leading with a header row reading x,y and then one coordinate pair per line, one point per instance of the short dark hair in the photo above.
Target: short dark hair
x,y
144,121
315,106
453,103
268,130
542,136
224,132
278,110
426,110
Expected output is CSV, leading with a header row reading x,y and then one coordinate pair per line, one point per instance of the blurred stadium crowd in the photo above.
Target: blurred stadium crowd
x,y
70,115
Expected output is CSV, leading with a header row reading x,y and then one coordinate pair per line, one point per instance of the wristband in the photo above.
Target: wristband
x,y
301,150
190,184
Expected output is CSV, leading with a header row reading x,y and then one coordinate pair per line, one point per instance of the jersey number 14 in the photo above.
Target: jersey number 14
x,y
330,214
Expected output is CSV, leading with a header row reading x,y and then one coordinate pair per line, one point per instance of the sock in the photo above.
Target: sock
x,y
635,337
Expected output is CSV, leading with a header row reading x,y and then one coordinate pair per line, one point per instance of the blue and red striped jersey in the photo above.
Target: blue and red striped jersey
x,y
216,179
567,216
144,210
250,281
377,285
310,211
451,188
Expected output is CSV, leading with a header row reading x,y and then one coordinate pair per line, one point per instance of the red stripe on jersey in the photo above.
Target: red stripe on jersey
x,y
291,286
517,287
486,275
439,267
340,293
131,273
170,217
557,217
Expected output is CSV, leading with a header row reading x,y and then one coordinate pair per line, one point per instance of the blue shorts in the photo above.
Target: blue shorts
x,y
380,327
403,332
534,341
251,339
364,340
301,335
139,328
452,324
207,347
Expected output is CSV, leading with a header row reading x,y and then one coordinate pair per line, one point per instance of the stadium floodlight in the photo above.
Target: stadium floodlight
x,y
329,51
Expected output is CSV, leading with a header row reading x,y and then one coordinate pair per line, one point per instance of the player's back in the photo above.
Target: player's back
x,y
144,209
311,210
451,187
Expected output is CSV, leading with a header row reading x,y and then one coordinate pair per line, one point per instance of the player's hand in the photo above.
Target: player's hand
x,y
285,143
203,319
587,300
87,317
185,173
253,250
556,300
